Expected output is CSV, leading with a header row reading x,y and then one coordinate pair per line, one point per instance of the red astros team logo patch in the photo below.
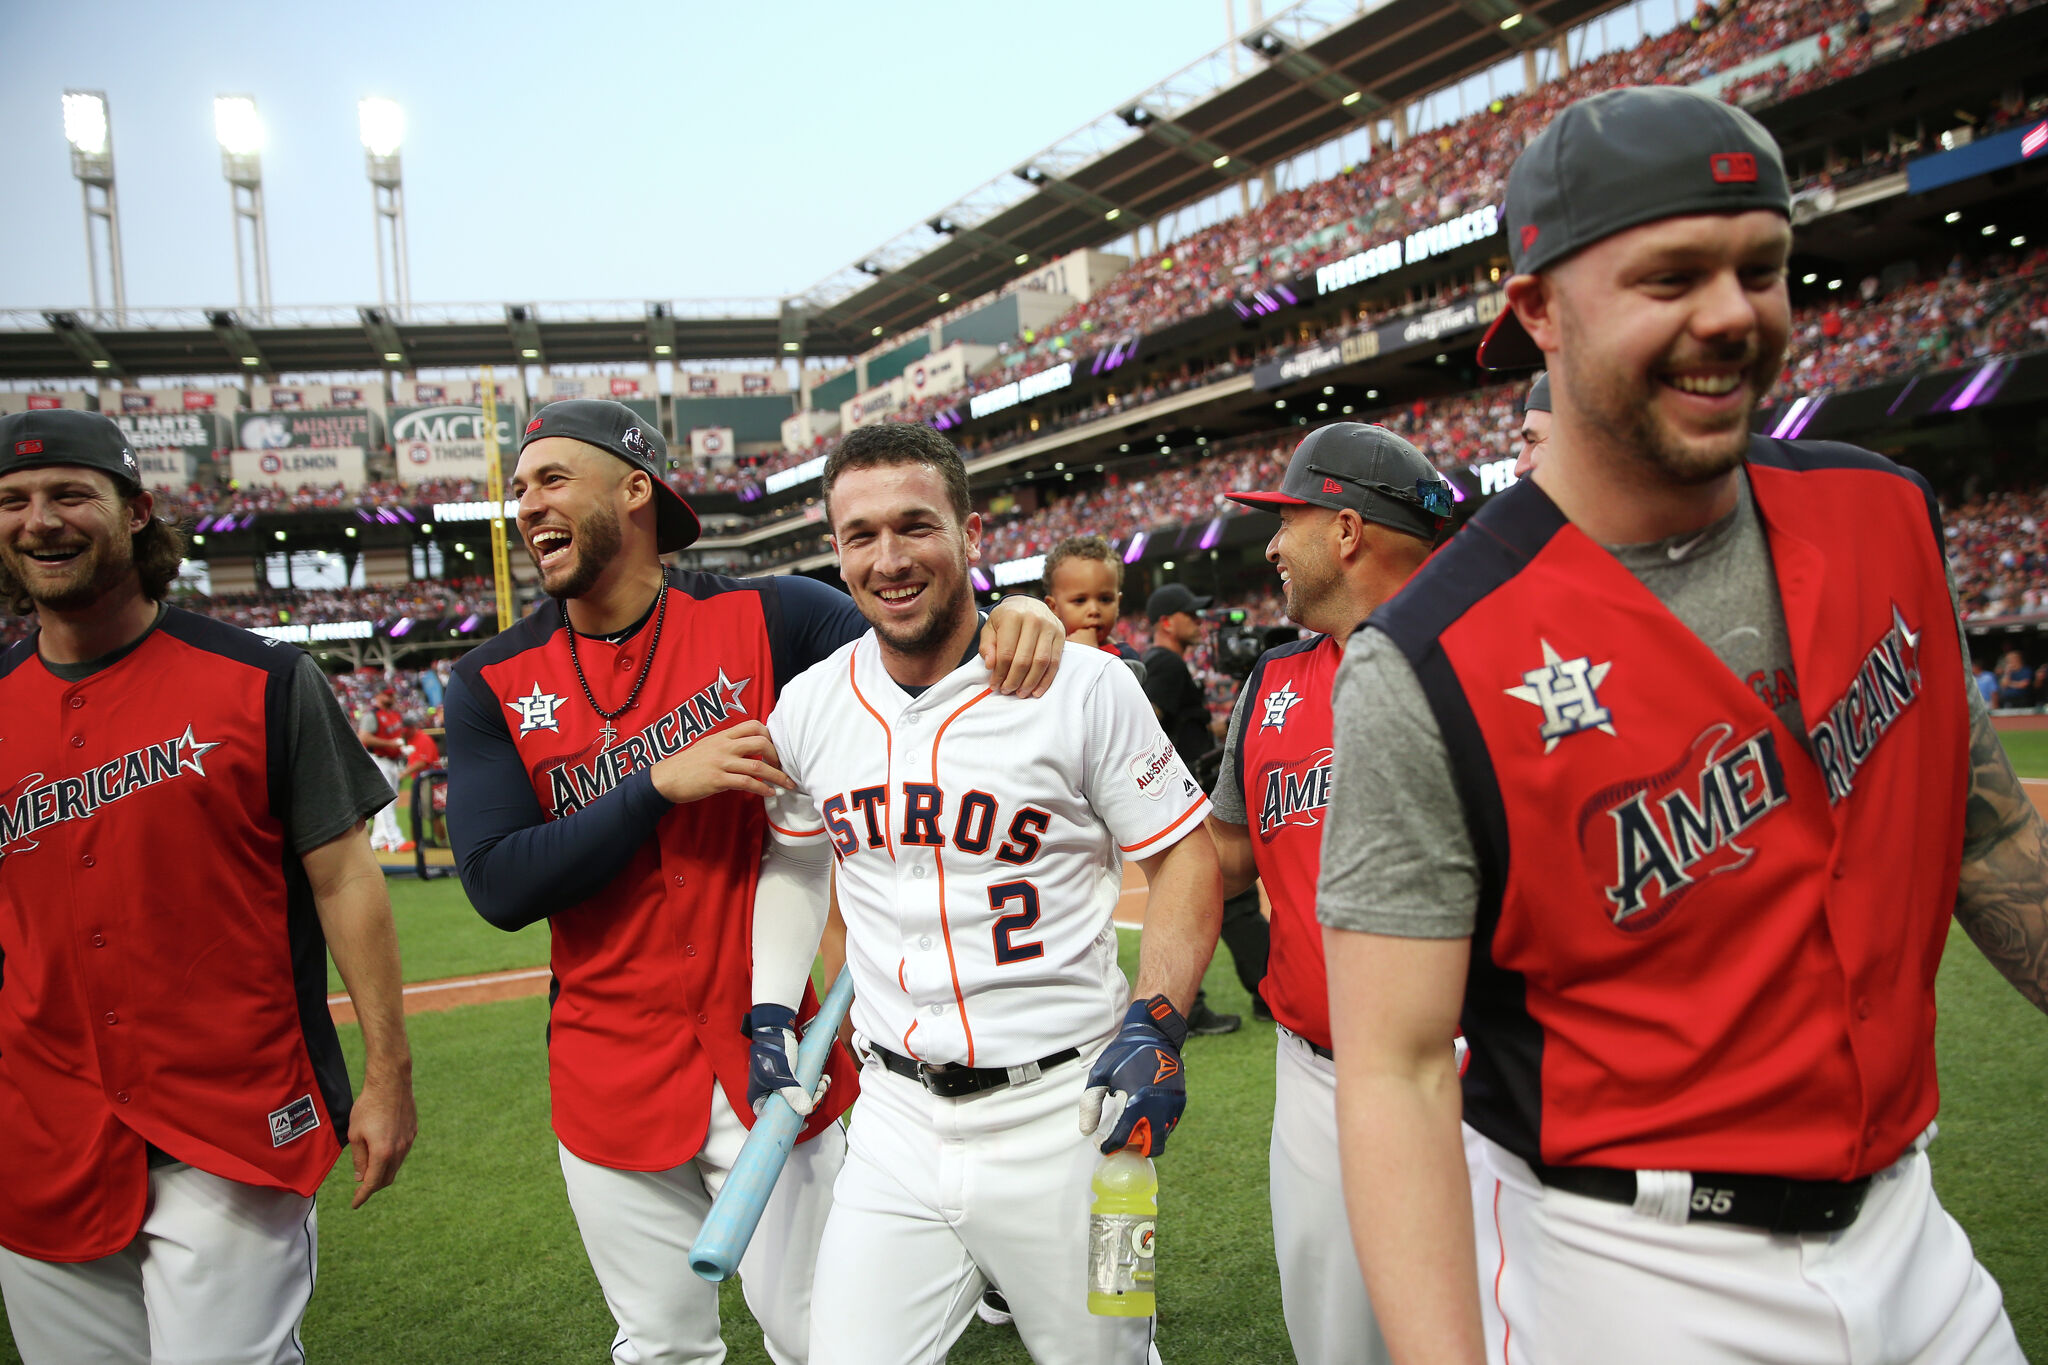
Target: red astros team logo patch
x,y
1649,841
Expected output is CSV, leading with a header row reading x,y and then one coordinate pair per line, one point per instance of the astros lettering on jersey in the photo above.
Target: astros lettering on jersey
x,y
979,841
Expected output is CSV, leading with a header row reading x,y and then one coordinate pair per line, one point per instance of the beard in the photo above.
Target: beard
x,y
919,639
1310,586
1624,406
593,543
100,567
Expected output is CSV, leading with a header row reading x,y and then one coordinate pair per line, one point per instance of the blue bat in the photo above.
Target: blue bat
x,y
737,1210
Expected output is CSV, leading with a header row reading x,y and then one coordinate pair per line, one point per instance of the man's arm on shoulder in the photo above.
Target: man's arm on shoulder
x,y
355,916
1394,1006
2002,896
518,866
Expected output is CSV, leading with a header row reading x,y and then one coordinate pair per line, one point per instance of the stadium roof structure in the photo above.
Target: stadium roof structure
x,y
1310,73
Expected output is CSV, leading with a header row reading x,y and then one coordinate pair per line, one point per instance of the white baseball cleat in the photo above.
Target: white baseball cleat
x,y
993,1309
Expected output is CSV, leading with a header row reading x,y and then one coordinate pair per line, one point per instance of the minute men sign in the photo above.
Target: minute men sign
x,y
447,441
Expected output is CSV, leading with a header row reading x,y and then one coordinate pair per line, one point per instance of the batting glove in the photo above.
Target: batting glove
x,y
771,1068
1137,1088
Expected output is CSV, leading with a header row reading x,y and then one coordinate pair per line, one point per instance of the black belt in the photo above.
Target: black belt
x,y
1769,1202
951,1081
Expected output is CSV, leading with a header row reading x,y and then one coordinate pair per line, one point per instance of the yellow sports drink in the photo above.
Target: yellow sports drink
x,y
1120,1230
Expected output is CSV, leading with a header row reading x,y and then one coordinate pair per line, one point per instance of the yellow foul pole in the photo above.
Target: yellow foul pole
x,y
494,483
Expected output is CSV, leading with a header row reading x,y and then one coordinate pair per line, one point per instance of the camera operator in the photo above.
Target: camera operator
x,y
1360,510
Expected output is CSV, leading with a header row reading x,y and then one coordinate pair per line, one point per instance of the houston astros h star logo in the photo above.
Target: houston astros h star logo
x,y
1278,704
1566,689
536,710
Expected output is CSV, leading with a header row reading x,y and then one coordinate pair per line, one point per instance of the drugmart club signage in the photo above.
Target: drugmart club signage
x,y
1389,337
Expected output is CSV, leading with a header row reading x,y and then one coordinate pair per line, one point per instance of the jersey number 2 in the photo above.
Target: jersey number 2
x,y
1024,917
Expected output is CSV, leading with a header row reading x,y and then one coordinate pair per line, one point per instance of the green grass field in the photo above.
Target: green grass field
x,y
2029,751
473,1255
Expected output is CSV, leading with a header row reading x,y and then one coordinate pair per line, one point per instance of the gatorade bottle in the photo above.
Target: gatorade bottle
x,y
1120,1229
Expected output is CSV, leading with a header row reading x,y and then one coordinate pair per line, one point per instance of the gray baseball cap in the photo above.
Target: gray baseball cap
x,y
1620,159
617,428
1368,470
1539,394
43,437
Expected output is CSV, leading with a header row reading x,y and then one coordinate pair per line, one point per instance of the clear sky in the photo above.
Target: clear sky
x,y
553,152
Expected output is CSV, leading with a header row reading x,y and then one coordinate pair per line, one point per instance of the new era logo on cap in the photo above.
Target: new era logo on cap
x,y
1529,231
28,447
1734,168
1332,486
533,426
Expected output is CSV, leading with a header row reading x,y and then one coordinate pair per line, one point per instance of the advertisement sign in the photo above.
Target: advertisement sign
x,y
1384,339
802,430
1021,390
50,398
712,443
872,406
1078,274
113,400
414,393
189,433
284,430
619,386
299,466
447,442
1467,228
730,383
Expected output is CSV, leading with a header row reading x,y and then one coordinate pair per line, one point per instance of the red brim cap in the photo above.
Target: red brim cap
x,y
1507,345
1268,500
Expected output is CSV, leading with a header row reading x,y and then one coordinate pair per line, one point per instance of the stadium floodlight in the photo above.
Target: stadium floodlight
x,y
1220,162
1953,217
239,129
1511,21
92,161
1352,98
381,124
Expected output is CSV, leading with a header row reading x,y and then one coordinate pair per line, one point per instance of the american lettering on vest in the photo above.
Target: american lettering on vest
x,y
34,804
573,785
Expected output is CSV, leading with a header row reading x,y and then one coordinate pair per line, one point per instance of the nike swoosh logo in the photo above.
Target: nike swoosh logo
x,y
1678,552
1738,632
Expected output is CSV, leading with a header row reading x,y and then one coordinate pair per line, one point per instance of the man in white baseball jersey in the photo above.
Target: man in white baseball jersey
x,y
978,847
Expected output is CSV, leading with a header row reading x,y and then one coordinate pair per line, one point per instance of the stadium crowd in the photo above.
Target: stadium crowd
x,y
421,600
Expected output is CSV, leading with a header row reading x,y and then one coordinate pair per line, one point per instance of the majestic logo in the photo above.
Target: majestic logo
x,y
33,805
1651,840
1278,704
1567,690
1294,793
536,710
572,786
1882,689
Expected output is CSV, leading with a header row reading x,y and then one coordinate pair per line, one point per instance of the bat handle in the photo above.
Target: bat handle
x,y
736,1212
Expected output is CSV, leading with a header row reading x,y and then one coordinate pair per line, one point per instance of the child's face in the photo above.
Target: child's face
x,y
1083,594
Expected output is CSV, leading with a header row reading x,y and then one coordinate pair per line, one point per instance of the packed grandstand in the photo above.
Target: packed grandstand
x,y
1195,367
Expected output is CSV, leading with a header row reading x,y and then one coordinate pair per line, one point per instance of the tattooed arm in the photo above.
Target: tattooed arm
x,y
2002,900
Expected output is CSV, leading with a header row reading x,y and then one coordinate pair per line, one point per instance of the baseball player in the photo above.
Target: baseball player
x,y
977,844
572,740
381,727
1656,776
1535,426
181,847
1360,509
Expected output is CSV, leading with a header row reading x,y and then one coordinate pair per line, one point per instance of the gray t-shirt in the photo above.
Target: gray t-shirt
x,y
334,783
1227,801
1397,856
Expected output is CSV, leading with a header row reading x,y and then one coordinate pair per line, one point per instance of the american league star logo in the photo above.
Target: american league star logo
x,y
1278,704
536,710
1567,690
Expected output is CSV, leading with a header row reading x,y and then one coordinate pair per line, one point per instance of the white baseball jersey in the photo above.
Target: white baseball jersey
x,y
978,840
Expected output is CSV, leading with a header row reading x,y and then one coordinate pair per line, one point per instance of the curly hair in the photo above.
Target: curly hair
x,y
1083,547
158,549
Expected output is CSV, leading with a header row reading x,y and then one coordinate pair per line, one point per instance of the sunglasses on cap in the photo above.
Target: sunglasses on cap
x,y
1431,495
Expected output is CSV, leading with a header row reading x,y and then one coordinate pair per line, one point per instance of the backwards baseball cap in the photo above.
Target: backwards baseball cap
x,y
1367,469
68,436
617,428
1174,597
1618,160
1539,394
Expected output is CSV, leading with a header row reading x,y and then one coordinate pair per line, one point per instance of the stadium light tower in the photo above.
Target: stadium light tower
x,y
240,132
91,137
382,124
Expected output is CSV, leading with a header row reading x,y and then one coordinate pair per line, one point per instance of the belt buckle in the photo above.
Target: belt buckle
x,y
925,1073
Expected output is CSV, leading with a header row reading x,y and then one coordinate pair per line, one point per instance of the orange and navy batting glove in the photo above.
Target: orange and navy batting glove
x,y
1137,1087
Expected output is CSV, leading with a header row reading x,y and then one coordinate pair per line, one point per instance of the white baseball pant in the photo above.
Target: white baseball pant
x,y
941,1196
1582,1280
637,1227
221,1272
384,830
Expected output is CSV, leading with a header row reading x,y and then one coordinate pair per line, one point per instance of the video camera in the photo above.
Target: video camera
x,y
1238,643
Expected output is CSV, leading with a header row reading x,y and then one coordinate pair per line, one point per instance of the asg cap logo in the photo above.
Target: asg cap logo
x,y
533,426
637,443
1733,168
28,447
